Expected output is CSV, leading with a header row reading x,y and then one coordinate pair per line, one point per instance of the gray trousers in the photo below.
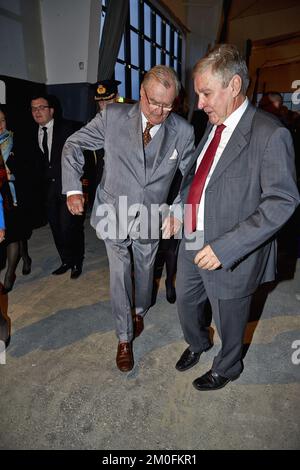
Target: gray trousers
x,y
230,316
126,293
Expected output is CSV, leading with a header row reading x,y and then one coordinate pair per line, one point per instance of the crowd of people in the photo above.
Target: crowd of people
x,y
217,226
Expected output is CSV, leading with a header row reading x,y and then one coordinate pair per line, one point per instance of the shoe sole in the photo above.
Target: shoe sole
x,y
124,370
215,388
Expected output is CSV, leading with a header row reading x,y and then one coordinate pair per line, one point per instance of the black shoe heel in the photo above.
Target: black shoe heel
x,y
27,266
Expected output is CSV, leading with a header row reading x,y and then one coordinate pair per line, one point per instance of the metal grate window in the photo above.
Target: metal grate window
x,y
149,39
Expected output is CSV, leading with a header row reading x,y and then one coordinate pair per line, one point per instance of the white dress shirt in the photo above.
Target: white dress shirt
x,y
231,122
49,126
153,129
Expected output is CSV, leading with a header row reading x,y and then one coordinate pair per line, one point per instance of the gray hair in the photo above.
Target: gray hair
x,y
225,61
165,75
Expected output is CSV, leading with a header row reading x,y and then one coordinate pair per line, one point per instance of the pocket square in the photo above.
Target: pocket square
x,y
174,155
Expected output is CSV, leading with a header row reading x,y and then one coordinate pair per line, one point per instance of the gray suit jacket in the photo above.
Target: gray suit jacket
x,y
251,194
119,132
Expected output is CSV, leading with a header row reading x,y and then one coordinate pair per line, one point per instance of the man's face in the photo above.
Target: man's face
x,y
103,103
277,101
41,111
217,102
156,101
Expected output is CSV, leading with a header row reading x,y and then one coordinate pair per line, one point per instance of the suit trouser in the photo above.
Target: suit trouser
x,y
67,229
230,315
122,257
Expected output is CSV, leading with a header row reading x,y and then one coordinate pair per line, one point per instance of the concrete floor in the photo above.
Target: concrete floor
x,y
60,388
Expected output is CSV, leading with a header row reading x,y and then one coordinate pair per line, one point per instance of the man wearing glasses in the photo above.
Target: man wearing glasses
x,y
67,230
144,145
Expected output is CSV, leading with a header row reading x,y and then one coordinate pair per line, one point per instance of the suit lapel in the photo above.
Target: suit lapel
x,y
198,150
134,122
237,142
166,134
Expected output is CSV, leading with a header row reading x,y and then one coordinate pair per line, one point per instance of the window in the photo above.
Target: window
x,y
102,19
134,17
149,39
287,101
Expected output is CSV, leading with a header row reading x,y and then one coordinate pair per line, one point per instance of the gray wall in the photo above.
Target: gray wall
x,y
22,49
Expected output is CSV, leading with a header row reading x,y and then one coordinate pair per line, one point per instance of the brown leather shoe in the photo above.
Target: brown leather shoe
x,y
124,357
138,325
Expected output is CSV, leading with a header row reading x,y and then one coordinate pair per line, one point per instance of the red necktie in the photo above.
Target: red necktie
x,y
198,182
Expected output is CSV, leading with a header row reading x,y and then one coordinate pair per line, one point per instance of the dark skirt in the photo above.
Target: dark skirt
x,y
17,227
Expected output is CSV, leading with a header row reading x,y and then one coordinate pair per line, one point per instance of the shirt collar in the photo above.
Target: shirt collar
x,y
49,125
144,122
232,121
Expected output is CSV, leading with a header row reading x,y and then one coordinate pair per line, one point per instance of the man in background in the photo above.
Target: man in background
x,y
67,229
105,92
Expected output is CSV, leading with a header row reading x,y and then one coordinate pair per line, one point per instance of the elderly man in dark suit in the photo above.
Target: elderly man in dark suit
x,y
144,145
242,192
67,230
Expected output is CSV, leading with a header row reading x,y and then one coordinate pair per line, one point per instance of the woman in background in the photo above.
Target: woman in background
x,y
4,319
18,231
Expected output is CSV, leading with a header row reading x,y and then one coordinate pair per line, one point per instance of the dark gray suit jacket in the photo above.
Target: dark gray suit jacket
x,y
251,194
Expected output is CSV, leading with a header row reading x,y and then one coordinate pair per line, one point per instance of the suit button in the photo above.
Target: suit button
x,y
53,179
50,167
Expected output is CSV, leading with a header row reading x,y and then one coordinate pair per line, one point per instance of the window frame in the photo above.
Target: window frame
x,y
163,52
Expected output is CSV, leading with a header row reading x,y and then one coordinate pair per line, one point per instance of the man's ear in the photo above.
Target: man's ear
x,y
236,85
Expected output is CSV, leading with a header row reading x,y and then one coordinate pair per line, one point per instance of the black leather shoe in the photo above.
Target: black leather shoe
x,y
211,381
76,270
170,293
189,359
62,269
27,266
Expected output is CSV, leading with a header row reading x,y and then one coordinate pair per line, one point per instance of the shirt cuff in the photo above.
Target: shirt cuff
x,y
70,193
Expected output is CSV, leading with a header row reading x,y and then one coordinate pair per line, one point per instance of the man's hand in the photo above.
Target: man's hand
x,y
75,204
206,259
171,225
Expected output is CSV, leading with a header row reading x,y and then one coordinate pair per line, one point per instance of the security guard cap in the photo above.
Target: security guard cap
x,y
106,89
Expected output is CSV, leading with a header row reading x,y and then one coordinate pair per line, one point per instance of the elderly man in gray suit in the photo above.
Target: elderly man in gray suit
x,y
144,145
242,192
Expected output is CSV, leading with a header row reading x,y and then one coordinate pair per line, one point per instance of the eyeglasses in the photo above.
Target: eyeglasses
x,y
41,107
164,107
